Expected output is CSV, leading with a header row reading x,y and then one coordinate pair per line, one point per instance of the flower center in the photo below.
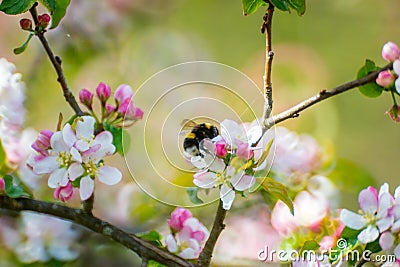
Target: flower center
x,y
220,179
91,168
64,159
370,218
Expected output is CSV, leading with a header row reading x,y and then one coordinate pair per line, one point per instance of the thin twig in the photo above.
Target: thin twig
x,y
218,226
294,111
56,61
134,243
269,55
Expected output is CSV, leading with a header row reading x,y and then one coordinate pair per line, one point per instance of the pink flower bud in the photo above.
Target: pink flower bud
x,y
385,79
109,110
26,24
64,193
178,218
103,92
220,148
394,113
122,93
390,51
44,20
2,185
86,97
130,111
42,143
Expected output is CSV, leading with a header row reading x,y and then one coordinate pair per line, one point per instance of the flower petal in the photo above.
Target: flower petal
x,y
242,182
58,178
45,165
198,162
86,187
227,196
352,220
205,179
109,175
368,235
368,201
85,128
397,252
75,154
386,240
384,223
172,246
57,142
68,135
75,171
218,165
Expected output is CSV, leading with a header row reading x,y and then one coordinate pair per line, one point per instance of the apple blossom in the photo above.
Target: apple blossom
x,y
390,51
123,93
375,217
64,193
396,69
76,154
189,240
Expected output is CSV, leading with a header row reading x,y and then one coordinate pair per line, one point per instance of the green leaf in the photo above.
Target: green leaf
x,y
3,156
349,233
192,193
59,12
152,263
12,190
14,7
251,6
281,4
49,4
374,247
370,89
298,5
117,137
22,48
276,191
309,245
153,237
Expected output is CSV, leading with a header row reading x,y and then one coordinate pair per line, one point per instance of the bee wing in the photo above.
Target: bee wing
x,y
188,124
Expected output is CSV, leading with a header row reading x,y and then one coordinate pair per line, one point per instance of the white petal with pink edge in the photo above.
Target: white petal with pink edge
x,y
227,196
171,244
45,165
109,175
368,201
58,178
75,171
242,182
386,240
57,142
205,179
85,128
86,187
351,219
68,135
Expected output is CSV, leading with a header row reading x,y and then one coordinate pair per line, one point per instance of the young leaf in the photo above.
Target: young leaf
x,y
281,4
14,7
298,5
277,191
117,137
192,193
153,237
3,155
369,89
49,4
309,245
152,263
12,190
59,12
22,48
251,6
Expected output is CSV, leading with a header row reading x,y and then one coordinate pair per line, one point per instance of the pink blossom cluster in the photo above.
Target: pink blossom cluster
x,y
73,157
124,109
386,78
227,162
379,218
188,235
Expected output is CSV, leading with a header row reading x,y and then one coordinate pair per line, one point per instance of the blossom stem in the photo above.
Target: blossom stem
x,y
269,55
56,62
393,97
143,248
218,226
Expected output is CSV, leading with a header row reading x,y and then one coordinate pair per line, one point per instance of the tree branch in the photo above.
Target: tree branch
x,y
144,249
294,111
269,55
218,226
56,62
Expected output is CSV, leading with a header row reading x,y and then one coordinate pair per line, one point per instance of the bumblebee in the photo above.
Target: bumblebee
x,y
191,144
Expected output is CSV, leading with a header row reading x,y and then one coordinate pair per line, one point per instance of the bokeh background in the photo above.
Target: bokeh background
x,y
122,41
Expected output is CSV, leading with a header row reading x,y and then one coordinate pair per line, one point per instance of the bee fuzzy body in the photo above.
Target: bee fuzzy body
x,y
198,133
